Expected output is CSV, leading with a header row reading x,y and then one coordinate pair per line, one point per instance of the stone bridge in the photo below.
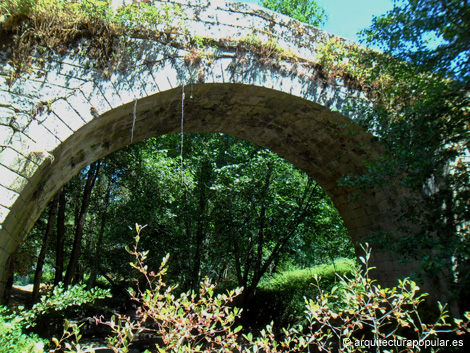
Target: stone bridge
x,y
221,67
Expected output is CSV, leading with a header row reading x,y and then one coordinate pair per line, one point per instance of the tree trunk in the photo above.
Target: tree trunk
x,y
262,267
236,250
97,257
77,243
59,259
42,253
204,174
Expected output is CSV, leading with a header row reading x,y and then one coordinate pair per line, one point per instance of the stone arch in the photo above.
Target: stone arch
x,y
64,115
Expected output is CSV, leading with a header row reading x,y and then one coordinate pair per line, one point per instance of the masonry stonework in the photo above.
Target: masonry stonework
x,y
63,115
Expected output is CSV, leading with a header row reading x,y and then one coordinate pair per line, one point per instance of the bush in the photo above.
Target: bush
x,y
355,309
188,323
281,298
14,324
12,338
338,320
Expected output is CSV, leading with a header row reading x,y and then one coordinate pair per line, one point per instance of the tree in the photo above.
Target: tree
x,y
96,260
59,255
79,226
307,11
421,116
42,253
228,194
433,35
235,212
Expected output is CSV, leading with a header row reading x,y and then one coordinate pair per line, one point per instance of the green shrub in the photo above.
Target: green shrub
x,y
191,322
14,324
357,309
281,298
354,309
12,338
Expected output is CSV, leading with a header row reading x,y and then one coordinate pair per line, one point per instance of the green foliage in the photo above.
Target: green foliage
x,y
280,297
337,320
56,26
229,189
14,323
218,197
307,11
12,336
416,104
420,114
358,309
147,15
355,309
61,298
191,322
433,35
305,277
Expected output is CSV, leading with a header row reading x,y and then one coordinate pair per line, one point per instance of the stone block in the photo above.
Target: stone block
x,y
44,139
6,133
126,91
21,142
3,213
17,162
12,180
58,79
7,196
110,93
27,88
220,71
67,114
81,106
137,83
6,114
75,72
10,244
57,127
148,82
166,77
17,102
95,98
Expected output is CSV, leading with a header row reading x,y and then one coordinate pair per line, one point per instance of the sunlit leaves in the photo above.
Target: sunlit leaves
x,y
307,11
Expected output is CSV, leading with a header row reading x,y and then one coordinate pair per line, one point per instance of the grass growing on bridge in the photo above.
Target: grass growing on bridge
x,y
37,27
92,29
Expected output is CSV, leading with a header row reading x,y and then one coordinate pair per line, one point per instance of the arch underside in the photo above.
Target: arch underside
x,y
322,143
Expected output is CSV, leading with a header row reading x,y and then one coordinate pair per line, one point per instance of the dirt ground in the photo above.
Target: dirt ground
x,y
20,295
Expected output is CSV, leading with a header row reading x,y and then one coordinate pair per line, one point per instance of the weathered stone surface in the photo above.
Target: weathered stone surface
x,y
68,115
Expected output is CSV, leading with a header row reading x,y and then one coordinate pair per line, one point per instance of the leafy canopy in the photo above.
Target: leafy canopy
x,y
307,11
421,116
432,34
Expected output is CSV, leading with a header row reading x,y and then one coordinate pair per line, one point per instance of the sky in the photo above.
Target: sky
x,y
347,17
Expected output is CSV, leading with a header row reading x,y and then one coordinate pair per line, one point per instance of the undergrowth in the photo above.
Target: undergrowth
x,y
353,310
280,298
337,320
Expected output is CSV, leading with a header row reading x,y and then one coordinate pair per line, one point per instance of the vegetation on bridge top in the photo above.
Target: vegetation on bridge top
x,y
110,37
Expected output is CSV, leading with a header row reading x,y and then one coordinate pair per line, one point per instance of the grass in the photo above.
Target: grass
x,y
280,298
304,277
